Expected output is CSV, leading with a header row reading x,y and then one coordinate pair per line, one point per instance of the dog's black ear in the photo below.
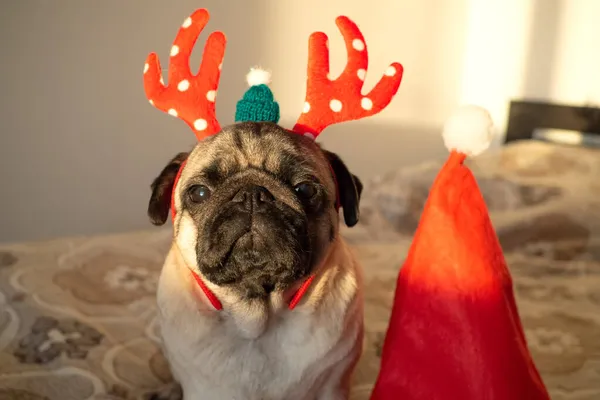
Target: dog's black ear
x,y
349,186
160,200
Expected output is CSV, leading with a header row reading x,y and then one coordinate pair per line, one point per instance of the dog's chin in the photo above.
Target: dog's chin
x,y
256,254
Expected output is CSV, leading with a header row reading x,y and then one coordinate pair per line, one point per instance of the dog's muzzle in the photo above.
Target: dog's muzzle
x,y
255,244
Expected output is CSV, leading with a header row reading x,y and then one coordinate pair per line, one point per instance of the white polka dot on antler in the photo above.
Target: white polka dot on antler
x,y
361,73
161,80
309,135
174,50
220,66
366,103
200,124
358,45
390,71
146,66
151,102
335,105
187,23
211,95
306,107
183,85
172,112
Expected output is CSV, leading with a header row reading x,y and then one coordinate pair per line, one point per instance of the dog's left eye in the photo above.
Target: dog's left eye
x,y
305,190
199,193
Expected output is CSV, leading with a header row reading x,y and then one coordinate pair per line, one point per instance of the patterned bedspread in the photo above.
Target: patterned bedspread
x,y
77,316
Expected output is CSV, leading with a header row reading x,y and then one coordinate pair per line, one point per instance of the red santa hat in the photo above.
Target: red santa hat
x,y
455,332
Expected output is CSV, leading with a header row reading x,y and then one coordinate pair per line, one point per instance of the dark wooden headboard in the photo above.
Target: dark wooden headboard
x,y
526,116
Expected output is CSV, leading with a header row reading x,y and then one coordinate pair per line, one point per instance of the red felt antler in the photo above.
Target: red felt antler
x,y
188,97
331,101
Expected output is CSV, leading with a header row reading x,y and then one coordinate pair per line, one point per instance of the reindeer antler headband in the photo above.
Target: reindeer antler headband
x,y
187,96
192,97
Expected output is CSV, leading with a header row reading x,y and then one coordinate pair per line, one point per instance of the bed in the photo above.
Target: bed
x,y
77,316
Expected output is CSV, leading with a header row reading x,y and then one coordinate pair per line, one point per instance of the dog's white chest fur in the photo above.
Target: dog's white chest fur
x,y
299,354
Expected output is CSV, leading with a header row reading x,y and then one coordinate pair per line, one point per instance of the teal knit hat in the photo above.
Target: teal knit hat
x,y
258,103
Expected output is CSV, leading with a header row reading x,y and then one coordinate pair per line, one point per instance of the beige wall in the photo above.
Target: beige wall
x,y
80,144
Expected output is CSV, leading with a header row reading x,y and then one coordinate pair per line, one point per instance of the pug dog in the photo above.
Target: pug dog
x,y
255,216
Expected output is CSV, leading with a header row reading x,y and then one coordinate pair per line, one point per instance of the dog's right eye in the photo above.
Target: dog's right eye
x,y
199,193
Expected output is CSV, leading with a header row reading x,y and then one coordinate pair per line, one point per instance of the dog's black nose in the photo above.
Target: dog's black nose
x,y
253,196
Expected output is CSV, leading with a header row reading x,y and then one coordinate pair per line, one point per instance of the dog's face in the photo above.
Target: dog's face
x,y
256,205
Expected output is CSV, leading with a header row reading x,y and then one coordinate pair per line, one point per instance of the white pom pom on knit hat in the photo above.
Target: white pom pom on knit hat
x,y
258,76
469,130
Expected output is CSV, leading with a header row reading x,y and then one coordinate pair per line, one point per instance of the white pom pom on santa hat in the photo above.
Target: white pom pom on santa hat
x,y
469,131
258,76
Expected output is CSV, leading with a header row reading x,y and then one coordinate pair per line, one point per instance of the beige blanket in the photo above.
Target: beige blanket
x,y
77,316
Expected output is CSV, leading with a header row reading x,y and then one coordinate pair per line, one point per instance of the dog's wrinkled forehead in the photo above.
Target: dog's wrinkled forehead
x,y
264,146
